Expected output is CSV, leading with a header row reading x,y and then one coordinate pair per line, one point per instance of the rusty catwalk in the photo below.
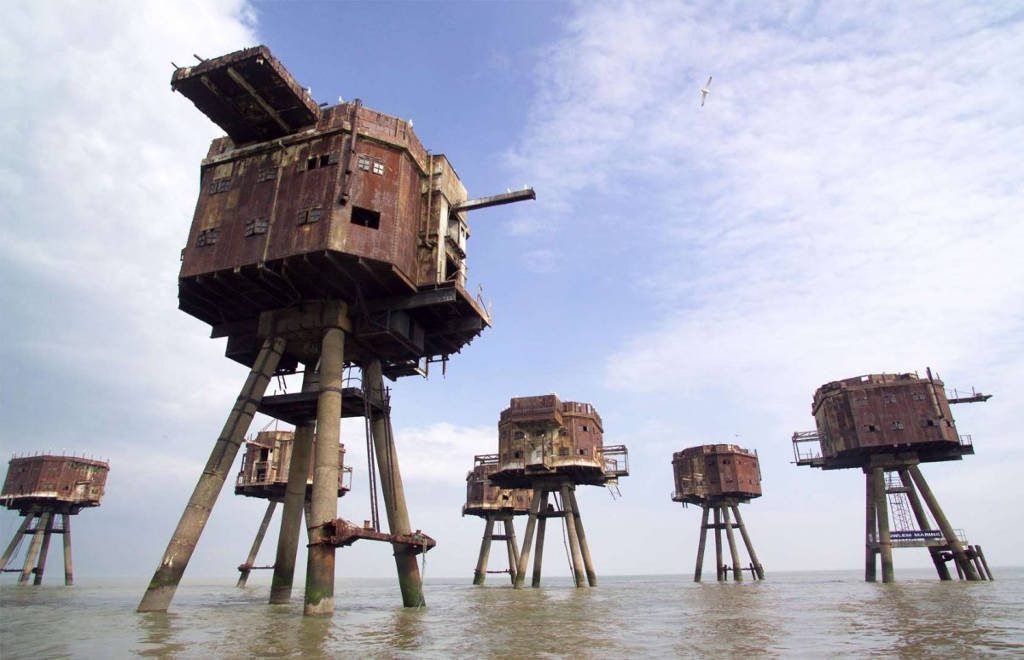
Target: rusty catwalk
x,y
887,425
323,238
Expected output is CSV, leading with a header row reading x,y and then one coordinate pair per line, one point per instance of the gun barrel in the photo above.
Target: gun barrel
x,y
496,200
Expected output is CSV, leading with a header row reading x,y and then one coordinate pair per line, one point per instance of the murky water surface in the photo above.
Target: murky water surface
x,y
790,614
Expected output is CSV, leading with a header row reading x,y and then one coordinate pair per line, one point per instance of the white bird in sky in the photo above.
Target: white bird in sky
x,y
704,91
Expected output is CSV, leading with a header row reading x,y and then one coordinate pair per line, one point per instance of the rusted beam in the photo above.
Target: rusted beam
x,y
495,200
257,542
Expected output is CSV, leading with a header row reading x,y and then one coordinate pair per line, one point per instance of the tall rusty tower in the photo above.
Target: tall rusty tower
x,y
322,237
494,504
886,425
552,446
40,488
264,475
718,478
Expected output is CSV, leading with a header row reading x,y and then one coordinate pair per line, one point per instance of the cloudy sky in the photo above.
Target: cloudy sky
x,y
848,201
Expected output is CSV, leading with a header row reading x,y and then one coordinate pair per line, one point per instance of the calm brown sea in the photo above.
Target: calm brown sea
x,y
788,615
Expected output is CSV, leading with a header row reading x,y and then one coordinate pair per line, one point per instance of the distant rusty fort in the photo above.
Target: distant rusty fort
x,y
328,242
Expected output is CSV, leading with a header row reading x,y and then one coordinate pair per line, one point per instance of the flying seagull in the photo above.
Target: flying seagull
x,y
704,91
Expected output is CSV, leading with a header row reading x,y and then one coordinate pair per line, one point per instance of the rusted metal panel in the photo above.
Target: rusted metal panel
x,y
247,93
709,473
62,484
883,413
264,471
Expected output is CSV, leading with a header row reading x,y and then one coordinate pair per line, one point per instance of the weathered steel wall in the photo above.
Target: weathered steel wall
x,y
69,480
709,472
482,496
883,412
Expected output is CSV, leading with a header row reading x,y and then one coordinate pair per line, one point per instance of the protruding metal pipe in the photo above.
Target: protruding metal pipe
x,y
485,549
179,551
256,543
940,519
294,502
531,524
703,541
69,573
319,599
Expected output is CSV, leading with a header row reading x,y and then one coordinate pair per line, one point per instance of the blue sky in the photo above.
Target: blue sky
x,y
848,201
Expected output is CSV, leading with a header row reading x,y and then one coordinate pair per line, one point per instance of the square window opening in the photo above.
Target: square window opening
x,y
365,217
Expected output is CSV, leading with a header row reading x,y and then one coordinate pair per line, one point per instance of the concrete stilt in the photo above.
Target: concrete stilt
x,y
960,556
588,563
15,543
542,524
43,551
531,524
510,547
393,490
69,574
758,569
977,562
871,529
165,580
737,571
882,515
718,544
319,597
922,523
480,575
256,543
294,503
579,574
42,523
703,541
984,562
959,569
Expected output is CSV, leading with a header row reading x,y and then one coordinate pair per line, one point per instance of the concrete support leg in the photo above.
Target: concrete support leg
x,y
44,551
294,502
870,529
393,490
69,572
319,599
977,561
959,569
183,542
702,542
524,555
984,562
579,574
955,546
485,550
511,548
721,574
758,569
588,563
542,524
256,543
737,570
882,514
15,543
922,523
42,523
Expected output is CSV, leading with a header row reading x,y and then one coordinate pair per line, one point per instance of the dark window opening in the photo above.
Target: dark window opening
x,y
872,427
517,454
451,269
583,451
365,217
325,160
